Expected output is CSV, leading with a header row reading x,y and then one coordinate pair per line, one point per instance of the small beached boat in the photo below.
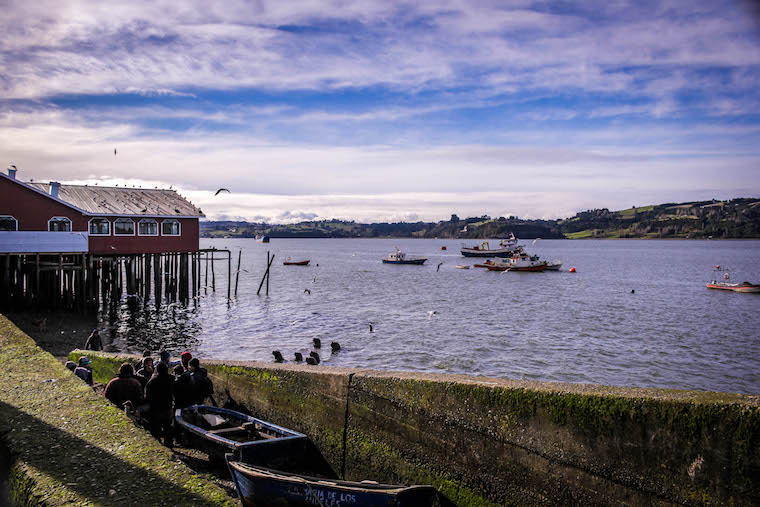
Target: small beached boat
x,y
219,431
506,248
259,486
288,262
399,257
726,284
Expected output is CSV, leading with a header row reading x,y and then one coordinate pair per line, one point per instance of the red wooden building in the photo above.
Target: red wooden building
x,y
50,217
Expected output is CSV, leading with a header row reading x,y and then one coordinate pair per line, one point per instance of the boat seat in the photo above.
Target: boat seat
x,y
225,431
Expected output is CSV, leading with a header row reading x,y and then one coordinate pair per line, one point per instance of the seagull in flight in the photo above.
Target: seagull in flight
x,y
222,190
114,152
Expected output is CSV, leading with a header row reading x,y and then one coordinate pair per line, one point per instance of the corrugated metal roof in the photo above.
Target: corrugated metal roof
x,y
123,201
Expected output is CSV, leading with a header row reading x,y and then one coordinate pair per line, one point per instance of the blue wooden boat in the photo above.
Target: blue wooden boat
x,y
219,431
258,486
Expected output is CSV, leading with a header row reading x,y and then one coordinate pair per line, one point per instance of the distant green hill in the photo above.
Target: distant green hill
x,y
737,218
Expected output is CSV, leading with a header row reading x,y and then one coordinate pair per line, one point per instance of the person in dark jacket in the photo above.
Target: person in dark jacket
x,y
84,370
183,387
146,371
185,357
202,386
125,387
159,393
94,342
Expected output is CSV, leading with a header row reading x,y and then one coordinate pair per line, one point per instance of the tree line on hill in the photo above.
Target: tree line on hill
x,y
736,218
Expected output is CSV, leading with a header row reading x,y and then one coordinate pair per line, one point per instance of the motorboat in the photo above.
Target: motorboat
x,y
726,284
506,248
463,266
553,265
259,486
262,238
399,257
521,261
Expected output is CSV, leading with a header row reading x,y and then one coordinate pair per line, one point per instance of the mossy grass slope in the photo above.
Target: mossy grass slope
x,y
69,446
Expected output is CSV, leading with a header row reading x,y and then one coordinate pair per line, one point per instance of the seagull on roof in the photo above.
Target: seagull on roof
x,y
144,209
177,210
222,190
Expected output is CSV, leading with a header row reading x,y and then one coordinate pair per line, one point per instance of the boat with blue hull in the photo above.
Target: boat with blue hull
x,y
399,257
258,486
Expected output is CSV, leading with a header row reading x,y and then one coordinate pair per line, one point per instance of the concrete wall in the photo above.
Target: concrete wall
x,y
486,441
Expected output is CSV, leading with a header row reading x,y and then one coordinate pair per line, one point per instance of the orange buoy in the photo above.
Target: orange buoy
x,y
572,270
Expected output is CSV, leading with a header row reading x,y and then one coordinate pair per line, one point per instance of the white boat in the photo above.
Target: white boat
x,y
553,265
521,261
399,257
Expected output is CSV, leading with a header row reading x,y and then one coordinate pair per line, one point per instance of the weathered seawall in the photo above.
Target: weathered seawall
x,y
485,441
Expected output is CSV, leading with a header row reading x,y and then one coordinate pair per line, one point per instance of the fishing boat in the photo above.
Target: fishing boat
x,y
507,248
399,257
220,431
258,486
289,262
486,263
726,284
262,238
521,261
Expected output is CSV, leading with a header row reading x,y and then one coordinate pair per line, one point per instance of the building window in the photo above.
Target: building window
x,y
170,228
100,227
8,223
147,227
124,227
59,224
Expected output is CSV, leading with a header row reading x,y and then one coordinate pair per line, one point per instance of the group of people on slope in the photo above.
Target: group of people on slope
x,y
155,390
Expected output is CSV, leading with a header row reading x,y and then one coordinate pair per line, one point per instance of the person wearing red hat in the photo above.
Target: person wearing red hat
x,y
185,357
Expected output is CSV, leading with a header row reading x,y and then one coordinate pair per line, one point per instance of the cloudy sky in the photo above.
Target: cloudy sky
x,y
380,110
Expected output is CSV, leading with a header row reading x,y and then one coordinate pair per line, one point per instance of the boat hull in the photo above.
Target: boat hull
x,y
501,252
259,486
528,268
417,262
296,263
734,287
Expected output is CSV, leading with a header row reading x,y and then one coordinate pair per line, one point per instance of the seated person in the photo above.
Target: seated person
x,y
84,370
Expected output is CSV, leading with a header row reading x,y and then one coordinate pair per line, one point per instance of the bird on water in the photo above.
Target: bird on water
x,y
278,356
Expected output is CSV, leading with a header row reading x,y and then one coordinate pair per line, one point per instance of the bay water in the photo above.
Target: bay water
x,y
635,312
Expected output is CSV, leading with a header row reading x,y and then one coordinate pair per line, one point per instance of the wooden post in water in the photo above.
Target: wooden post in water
x,y
213,276
237,273
266,274
205,283
229,273
193,273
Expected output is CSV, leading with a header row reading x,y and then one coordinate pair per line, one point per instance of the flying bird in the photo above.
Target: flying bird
x,y
439,266
114,152
222,190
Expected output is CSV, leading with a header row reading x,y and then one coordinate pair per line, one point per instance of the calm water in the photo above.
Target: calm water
x,y
557,326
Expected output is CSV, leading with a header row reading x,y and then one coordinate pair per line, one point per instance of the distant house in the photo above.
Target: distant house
x,y
50,217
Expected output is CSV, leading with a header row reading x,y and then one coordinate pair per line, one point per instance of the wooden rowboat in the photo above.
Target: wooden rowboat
x,y
258,486
219,431
295,263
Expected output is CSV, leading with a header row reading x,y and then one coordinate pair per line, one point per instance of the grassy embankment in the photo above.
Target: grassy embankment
x,y
64,445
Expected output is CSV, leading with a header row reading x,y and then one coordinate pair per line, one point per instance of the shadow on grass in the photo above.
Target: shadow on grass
x,y
92,472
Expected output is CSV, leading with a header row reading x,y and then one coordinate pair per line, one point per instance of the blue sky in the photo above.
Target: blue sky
x,y
374,110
